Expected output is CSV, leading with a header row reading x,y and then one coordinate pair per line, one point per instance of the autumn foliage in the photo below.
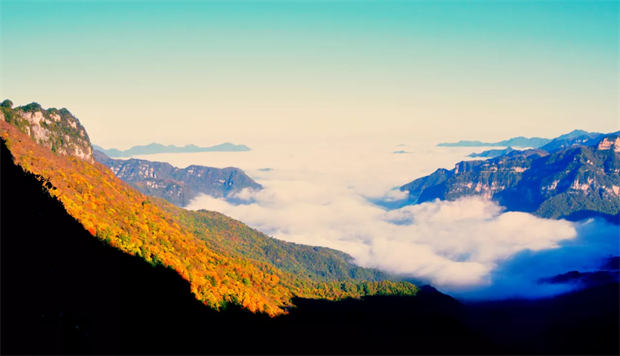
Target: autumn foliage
x,y
214,258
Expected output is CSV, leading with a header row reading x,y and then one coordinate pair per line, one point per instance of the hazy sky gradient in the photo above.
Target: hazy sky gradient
x,y
206,72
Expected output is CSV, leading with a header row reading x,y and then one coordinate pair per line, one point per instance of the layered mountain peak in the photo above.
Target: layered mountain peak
x,y
572,182
55,129
177,185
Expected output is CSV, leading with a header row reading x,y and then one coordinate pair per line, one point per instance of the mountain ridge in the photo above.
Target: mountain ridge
x,y
55,129
154,148
574,183
177,185
492,153
520,141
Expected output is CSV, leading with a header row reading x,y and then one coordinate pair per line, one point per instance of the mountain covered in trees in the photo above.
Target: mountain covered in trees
x,y
176,185
75,294
155,148
225,261
573,183
69,292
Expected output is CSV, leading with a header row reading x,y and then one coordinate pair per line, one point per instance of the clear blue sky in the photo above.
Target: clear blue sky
x,y
205,72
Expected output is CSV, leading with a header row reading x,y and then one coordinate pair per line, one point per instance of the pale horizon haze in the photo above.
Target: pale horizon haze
x,y
207,72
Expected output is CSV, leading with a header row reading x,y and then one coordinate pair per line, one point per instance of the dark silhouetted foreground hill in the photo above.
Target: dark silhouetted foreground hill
x,y
585,322
207,250
65,292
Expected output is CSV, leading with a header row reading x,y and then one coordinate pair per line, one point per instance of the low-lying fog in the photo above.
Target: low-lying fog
x,y
322,193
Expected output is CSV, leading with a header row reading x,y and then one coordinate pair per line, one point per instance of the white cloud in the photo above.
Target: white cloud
x,y
316,195
448,243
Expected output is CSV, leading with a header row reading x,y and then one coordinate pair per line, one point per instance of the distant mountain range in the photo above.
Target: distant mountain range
x,y
178,186
534,142
154,148
572,181
492,153
576,137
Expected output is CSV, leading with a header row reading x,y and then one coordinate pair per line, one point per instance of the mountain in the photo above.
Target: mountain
x,y
575,134
98,268
577,137
178,186
492,153
472,177
55,129
71,293
74,294
225,261
572,183
154,148
520,141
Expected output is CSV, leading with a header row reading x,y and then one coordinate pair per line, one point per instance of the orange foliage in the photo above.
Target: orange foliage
x,y
148,227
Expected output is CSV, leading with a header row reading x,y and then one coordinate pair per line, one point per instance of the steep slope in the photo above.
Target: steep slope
x,y
68,293
573,183
227,235
473,177
73,294
55,129
122,217
178,186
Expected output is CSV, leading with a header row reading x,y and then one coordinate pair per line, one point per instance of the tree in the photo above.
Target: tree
x,y
7,104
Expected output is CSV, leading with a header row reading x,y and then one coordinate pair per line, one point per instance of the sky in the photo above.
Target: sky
x,y
333,195
207,72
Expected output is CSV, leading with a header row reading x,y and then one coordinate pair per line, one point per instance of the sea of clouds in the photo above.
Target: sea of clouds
x,y
335,194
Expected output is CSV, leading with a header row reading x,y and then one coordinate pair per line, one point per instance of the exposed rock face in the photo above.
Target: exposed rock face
x,y
55,129
610,143
178,186
483,178
573,183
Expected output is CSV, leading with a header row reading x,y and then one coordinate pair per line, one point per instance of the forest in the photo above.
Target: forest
x,y
214,254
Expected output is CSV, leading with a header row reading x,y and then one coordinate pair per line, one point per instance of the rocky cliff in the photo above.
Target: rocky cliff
x,y
573,183
178,186
55,129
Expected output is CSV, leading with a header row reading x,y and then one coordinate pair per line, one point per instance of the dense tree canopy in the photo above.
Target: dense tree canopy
x,y
224,260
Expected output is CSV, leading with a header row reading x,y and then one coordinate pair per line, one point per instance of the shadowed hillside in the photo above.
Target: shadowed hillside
x,y
220,266
64,291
